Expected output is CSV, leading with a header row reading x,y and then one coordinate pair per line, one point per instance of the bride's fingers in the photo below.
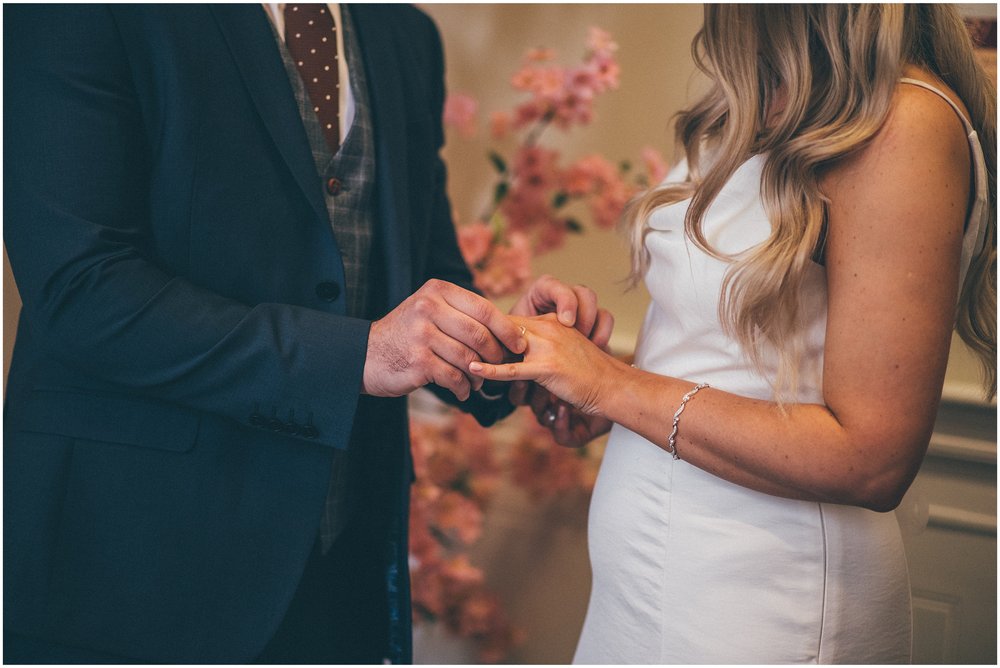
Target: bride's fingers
x,y
515,371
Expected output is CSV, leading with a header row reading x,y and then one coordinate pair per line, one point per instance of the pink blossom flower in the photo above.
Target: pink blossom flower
x,y
607,72
459,575
550,83
460,113
508,269
457,516
480,614
477,445
498,644
445,466
573,108
475,240
423,546
578,180
524,78
599,41
544,83
418,446
534,166
427,593
545,469
527,113
656,167
588,175
607,206
539,55
550,235
525,207
528,202
582,82
500,124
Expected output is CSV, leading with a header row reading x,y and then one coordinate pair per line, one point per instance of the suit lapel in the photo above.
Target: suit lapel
x,y
247,31
382,70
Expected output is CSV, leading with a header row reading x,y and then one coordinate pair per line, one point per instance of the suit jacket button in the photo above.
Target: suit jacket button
x,y
309,431
328,291
274,424
333,186
257,420
290,428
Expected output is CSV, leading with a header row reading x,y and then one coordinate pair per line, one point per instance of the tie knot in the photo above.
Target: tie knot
x,y
310,14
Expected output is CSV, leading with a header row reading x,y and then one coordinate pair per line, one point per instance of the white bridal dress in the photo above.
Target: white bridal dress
x,y
690,568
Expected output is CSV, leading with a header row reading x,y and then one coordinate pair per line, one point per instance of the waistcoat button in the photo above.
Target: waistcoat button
x,y
328,291
333,186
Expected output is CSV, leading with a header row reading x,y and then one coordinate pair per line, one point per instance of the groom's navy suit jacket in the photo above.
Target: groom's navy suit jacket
x,y
184,370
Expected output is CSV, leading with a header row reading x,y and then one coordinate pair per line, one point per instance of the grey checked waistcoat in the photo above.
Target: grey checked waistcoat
x,y
351,209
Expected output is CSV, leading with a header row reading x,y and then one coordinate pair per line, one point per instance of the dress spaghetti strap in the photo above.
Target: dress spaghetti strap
x,y
977,223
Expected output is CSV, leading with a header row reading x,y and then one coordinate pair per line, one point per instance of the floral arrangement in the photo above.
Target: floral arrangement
x,y
537,201
459,467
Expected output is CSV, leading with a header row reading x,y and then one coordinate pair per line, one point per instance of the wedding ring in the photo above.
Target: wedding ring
x,y
524,330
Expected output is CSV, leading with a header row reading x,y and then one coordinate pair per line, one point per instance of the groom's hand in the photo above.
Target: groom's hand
x,y
432,337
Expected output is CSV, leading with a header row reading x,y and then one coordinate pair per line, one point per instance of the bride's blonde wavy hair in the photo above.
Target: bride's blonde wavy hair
x,y
837,67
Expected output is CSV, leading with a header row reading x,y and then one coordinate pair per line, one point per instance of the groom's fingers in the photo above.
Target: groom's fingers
x,y
483,311
457,355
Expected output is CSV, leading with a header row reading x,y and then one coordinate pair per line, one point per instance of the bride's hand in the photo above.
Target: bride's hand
x,y
562,360
575,306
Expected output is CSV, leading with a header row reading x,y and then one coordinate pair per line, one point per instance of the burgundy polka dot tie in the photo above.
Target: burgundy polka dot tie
x,y
311,37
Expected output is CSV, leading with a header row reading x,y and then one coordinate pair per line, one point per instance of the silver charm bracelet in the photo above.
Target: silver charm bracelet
x,y
672,439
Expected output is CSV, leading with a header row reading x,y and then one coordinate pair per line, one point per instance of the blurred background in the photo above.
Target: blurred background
x,y
526,545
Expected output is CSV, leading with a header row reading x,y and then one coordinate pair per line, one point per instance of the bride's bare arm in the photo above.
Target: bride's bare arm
x,y
896,217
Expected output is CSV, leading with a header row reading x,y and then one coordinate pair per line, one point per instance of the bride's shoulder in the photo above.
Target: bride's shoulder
x,y
921,132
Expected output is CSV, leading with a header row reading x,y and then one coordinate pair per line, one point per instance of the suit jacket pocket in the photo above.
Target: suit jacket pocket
x,y
109,418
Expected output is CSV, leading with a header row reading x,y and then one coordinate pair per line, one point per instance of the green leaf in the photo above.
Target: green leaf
x,y
462,484
560,200
498,162
499,225
574,226
500,192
